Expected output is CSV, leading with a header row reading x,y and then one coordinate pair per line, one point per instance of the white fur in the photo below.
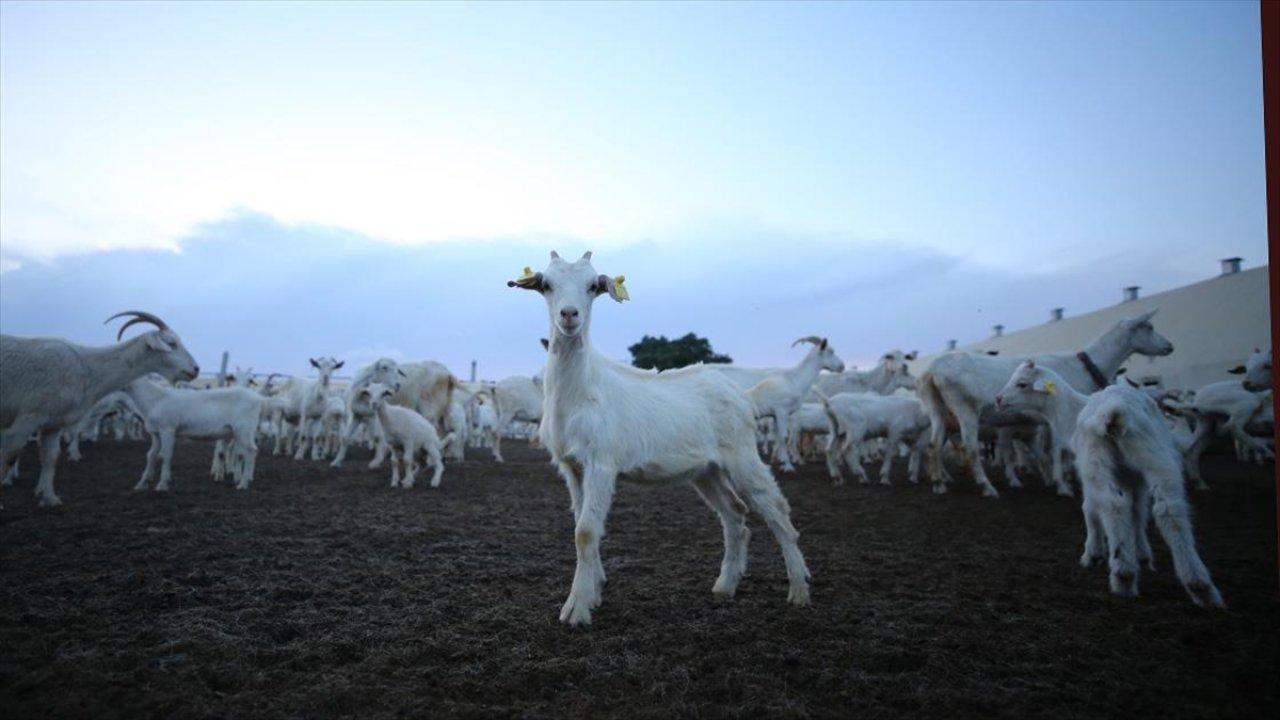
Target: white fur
x,y
47,384
857,417
958,390
406,433
229,414
603,419
1130,471
780,395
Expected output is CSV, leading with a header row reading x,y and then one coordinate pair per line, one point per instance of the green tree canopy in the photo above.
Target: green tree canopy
x,y
663,354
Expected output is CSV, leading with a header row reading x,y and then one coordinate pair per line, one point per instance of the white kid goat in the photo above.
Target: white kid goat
x,y
603,419
407,432
1130,471
47,384
360,412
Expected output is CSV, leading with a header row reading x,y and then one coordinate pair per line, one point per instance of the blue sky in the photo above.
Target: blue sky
x,y
285,180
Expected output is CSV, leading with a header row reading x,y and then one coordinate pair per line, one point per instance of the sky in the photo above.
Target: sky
x,y
358,180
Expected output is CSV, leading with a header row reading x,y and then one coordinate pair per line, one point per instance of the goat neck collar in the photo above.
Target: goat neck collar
x,y
1098,378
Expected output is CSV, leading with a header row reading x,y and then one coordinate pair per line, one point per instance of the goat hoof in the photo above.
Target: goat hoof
x,y
1205,594
1087,560
50,501
798,595
575,612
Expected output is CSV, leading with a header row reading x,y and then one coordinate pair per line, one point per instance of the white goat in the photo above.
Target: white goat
x,y
1225,407
603,419
857,417
887,376
777,396
957,391
310,401
1256,371
47,384
360,412
409,433
90,425
222,451
1130,470
516,398
229,414
426,387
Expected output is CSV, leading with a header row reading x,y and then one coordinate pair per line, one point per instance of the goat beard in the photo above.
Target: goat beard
x,y
563,342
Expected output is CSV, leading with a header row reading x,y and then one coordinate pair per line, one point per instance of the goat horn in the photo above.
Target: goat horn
x,y
136,316
809,339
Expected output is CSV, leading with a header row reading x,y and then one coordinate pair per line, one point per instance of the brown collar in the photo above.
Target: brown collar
x,y
1098,378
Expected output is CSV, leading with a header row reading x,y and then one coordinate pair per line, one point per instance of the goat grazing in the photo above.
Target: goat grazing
x,y
602,419
1130,471
47,384
958,387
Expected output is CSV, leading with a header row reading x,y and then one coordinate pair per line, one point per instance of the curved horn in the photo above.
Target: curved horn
x,y
809,339
136,316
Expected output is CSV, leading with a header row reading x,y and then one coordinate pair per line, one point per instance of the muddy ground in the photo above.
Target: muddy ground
x,y
324,593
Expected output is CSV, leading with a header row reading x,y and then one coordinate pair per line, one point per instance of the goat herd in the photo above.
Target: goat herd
x,y
706,424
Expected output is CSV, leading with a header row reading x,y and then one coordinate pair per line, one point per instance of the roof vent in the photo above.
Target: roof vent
x,y
999,330
1131,293
1055,315
951,344
1230,266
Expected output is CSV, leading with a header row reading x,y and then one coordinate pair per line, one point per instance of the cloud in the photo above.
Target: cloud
x,y
274,294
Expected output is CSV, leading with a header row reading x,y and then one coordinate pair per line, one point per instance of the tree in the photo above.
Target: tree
x,y
663,354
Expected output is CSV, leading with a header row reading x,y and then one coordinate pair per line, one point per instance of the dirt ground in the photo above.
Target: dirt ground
x,y
325,593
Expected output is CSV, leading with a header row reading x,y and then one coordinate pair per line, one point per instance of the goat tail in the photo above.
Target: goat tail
x,y
931,399
1105,422
833,422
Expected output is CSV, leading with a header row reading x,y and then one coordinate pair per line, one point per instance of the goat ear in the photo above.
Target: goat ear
x,y
402,373
528,280
314,364
822,345
546,344
1045,386
1132,384
340,364
615,286
1237,370
911,355
586,256
1146,317
1122,371
993,353
157,343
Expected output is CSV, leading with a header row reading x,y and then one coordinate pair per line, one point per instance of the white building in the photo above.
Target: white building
x,y
1213,326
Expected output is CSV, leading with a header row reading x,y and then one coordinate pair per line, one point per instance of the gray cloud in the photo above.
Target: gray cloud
x,y
273,295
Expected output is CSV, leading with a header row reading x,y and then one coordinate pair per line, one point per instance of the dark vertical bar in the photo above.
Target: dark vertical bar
x,y
1271,129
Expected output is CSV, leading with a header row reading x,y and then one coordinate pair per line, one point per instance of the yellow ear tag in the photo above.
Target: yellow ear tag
x,y
1049,387
528,274
620,290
